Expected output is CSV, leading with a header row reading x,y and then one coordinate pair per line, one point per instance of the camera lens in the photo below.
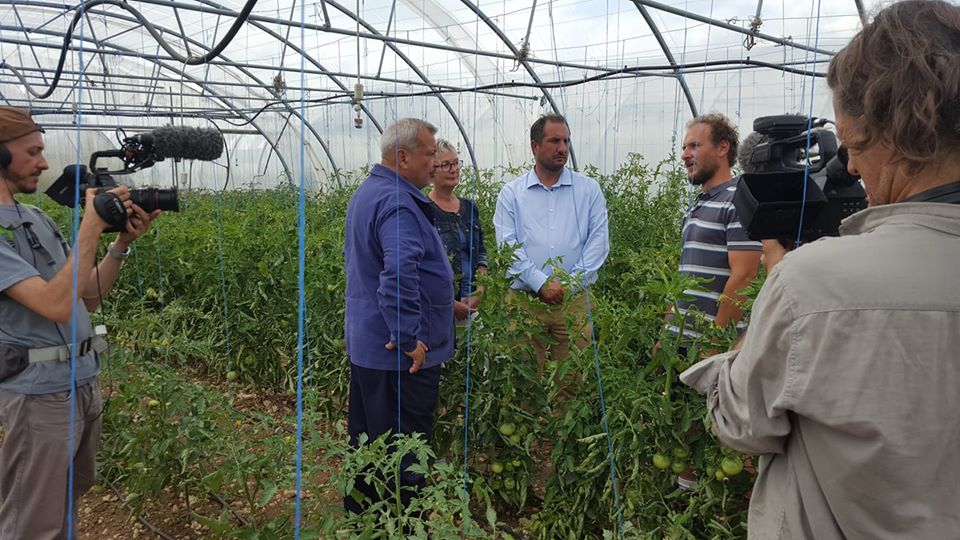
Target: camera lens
x,y
151,199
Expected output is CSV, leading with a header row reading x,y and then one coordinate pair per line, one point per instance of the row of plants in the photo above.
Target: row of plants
x,y
175,442
214,289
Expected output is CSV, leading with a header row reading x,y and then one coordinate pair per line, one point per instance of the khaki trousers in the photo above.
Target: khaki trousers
x,y
564,324
35,459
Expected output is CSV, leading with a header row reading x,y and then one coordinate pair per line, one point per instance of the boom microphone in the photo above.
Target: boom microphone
x,y
205,144
750,160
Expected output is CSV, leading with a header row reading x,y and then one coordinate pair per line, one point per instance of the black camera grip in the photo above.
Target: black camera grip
x,y
110,209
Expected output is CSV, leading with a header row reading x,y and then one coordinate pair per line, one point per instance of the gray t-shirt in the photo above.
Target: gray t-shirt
x,y
31,245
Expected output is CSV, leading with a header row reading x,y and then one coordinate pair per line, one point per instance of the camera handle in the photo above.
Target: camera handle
x,y
110,209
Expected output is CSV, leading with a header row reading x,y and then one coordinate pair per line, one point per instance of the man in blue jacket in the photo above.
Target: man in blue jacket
x,y
399,317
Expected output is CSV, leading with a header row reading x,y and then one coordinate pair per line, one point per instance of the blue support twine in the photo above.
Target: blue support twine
x,y
301,263
467,383
603,404
156,245
136,267
223,281
75,301
806,166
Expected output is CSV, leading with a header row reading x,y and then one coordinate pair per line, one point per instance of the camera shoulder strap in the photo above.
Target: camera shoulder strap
x,y
949,193
51,225
8,231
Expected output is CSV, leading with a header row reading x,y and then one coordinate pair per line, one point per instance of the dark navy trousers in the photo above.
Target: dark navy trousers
x,y
373,410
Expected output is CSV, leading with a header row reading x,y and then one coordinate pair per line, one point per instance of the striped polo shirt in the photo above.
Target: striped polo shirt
x,y
710,229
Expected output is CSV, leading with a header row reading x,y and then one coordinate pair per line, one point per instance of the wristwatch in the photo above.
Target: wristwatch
x,y
117,254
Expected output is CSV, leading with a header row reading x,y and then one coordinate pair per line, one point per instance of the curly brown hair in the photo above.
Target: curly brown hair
x,y
899,78
721,129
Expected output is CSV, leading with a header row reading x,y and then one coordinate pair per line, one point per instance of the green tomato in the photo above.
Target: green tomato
x,y
731,465
719,474
232,375
681,452
517,463
496,467
508,466
153,403
661,461
678,467
515,438
509,483
507,429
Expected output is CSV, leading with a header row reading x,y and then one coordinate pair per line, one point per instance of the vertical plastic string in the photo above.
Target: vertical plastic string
x,y
398,348
75,288
596,364
706,60
223,280
156,245
136,267
301,295
473,181
806,166
806,60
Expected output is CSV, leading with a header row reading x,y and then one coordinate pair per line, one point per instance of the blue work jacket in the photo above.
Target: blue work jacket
x,y
399,280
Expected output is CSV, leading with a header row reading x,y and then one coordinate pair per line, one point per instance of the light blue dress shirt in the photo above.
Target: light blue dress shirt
x,y
567,222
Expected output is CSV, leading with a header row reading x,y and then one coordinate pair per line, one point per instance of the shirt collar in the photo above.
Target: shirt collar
x,y
720,188
566,179
384,172
939,216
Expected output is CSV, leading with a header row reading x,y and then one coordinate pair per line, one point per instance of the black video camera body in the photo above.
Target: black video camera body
x,y
788,192
108,205
137,152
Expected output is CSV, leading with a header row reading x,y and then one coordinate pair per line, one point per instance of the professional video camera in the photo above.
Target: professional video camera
x,y
137,152
773,198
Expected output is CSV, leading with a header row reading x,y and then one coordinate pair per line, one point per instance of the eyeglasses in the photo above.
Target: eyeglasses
x,y
450,166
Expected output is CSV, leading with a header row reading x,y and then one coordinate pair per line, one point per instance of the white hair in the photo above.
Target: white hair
x,y
443,145
403,134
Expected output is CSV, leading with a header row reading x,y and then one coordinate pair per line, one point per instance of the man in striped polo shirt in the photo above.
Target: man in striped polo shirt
x,y
715,245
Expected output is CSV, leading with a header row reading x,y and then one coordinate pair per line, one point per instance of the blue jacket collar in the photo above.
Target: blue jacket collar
x,y
384,172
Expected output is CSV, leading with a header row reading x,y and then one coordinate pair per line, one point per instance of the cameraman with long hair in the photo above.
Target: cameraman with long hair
x,y
846,382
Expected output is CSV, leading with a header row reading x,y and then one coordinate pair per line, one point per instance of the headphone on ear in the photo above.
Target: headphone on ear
x,y
5,157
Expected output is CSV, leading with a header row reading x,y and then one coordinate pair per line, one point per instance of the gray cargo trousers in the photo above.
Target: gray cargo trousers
x,y
34,460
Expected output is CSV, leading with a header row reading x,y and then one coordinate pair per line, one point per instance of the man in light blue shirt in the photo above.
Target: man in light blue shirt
x,y
554,214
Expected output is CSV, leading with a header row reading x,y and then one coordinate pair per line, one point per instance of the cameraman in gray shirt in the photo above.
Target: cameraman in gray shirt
x,y
37,302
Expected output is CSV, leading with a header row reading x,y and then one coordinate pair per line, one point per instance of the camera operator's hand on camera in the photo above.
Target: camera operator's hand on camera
x,y
90,214
138,223
773,253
